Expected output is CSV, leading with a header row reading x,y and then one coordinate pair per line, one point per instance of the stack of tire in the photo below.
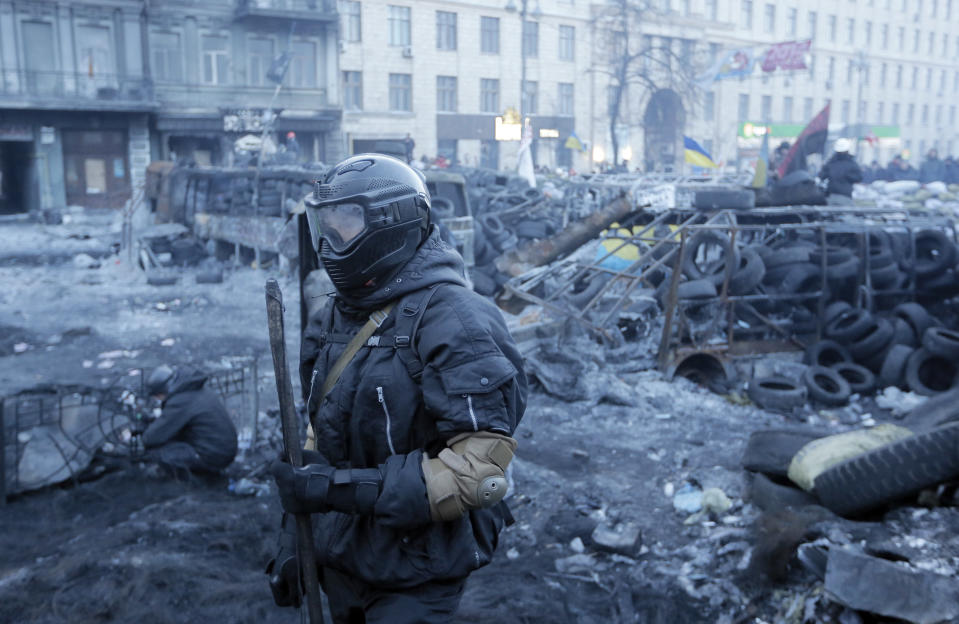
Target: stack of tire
x,y
269,200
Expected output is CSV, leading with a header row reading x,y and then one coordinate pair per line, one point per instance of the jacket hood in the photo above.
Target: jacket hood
x,y
434,262
188,380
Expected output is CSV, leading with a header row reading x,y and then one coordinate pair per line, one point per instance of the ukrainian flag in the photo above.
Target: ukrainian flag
x,y
696,155
574,143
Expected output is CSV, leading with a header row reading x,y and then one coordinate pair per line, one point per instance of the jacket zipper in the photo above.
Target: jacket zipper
x,y
469,403
310,397
386,411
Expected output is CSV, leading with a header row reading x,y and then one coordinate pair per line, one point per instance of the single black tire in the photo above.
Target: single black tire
x,y
929,374
442,208
893,369
724,200
903,334
794,254
843,271
161,280
849,326
861,379
834,309
210,276
493,226
885,277
771,451
531,229
876,337
750,273
879,258
916,315
802,278
935,252
890,472
533,194
942,341
776,393
827,353
826,386
715,270
696,289
771,495
834,256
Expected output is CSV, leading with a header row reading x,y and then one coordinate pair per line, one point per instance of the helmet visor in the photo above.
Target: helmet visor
x,y
339,224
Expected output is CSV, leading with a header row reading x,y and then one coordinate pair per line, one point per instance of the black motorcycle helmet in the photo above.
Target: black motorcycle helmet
x,y
367,218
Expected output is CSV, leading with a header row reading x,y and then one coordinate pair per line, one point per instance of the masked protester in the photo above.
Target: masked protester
x,y
414,435
194,431
841,171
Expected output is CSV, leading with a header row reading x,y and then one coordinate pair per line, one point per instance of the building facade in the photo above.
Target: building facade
x,y
91,92
443,71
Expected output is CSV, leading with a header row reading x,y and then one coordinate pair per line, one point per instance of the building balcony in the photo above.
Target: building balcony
x,y
323,11
53,90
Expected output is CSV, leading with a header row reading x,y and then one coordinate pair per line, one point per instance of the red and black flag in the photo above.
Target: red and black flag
x,y
812,140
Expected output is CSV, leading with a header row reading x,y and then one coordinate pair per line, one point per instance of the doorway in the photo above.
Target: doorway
x,y
95,168
15,160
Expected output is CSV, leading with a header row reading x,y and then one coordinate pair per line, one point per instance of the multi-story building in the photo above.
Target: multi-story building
x,y
442,71
92,91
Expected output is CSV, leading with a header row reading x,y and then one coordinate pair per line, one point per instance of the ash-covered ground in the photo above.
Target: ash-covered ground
x,y
130,547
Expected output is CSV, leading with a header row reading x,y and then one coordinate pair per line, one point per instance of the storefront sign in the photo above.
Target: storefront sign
x,y
548,133
246,119
503,131
15,132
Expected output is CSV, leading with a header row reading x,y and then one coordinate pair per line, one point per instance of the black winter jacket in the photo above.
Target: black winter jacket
x,y
197,416
842,171
932,170
377,415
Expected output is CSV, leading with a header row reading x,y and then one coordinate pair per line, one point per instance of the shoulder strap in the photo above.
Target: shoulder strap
x,y
407,322
376,319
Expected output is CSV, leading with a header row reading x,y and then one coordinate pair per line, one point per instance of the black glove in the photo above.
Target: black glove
x,y
284,568
317,487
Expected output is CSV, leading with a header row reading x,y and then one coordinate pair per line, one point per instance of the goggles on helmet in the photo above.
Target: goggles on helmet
x,y
338,224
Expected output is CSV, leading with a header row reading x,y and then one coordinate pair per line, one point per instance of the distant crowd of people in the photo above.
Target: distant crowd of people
x,y
932,169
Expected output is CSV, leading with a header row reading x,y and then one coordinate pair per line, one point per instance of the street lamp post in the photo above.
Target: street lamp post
x,y
523,12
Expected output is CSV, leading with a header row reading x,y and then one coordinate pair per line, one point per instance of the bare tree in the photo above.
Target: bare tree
x,y
638,64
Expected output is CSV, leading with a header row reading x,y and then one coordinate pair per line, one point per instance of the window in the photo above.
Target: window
x,y
791,19
529,97
952,112
711,12
868,33
566,98
910,113
915,40
530,39
884,38
260,51
353,90
350,10
567,43
942,82
399,26
489,35
769,18
925,114
915,77
832,69
766,109
807,108
812,66
832,27
489,95
938,114
401,92
850,68
898,76
813,18
167,59
216,61
844,115
850,30
445,30
901,37
303,65
932,42
945,44
928,78
879,112
747,9
882,75
709,106
743,107
446,94
787,109
895,113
